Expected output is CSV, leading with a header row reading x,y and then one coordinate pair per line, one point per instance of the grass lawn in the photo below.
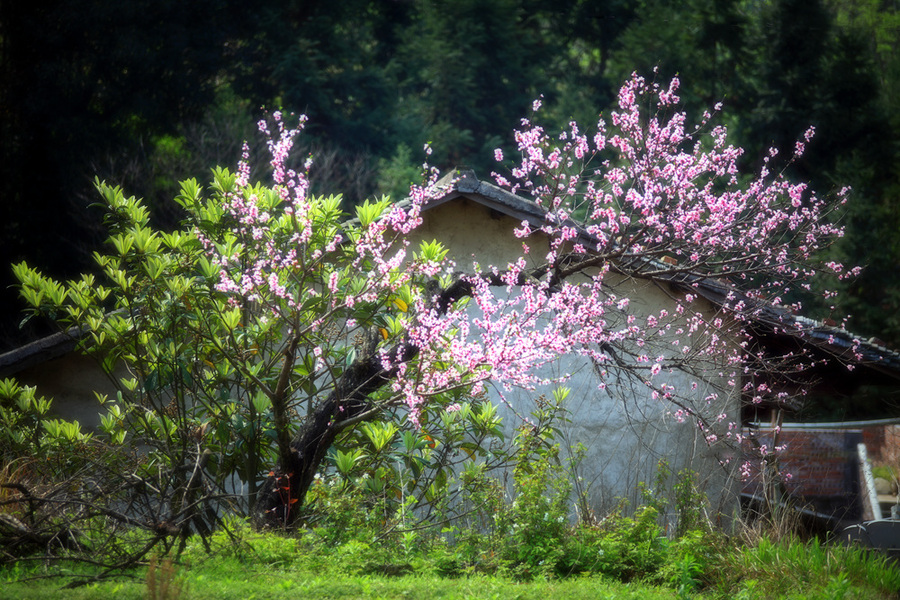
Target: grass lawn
x,y
227,580
272,567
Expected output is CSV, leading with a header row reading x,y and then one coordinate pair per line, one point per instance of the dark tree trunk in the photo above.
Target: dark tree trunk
x,y
282,496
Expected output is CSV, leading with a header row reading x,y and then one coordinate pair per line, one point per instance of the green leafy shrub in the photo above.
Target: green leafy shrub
x,y
480,535
386,478
538,516
27,430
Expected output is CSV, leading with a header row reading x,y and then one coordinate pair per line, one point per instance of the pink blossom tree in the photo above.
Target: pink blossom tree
x,y
644,197
329,322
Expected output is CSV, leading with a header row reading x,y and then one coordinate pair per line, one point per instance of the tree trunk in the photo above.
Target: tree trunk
x,y
282,496
280,501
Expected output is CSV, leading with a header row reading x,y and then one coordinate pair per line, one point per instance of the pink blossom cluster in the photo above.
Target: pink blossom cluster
x,y
661,189
647,188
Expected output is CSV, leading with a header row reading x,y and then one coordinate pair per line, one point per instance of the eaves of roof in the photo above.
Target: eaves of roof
x,y
778,320
38,351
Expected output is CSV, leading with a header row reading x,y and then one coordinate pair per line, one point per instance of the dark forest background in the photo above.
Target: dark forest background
x,y
145,93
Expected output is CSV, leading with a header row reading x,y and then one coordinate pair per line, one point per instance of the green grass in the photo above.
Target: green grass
x,y
272,568
792,569
231,579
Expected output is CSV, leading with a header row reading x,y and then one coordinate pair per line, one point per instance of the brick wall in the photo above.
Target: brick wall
x,y
883,444
823,467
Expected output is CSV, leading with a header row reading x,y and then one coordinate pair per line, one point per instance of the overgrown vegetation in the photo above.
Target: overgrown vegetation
x,y
530,550
363,535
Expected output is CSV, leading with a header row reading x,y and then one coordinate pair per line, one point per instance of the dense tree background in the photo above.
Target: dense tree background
x,y
144,93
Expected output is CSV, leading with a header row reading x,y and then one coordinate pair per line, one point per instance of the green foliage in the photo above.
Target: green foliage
x,y
691,559
887,472
398,172
28,431
458,73
378,80
690,504
149,315
538,516
621,549
197,371
226,579
237,540
470,523
203,390
388,478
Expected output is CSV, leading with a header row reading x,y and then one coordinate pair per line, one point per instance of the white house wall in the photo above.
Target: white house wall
x,y
625,431
71,381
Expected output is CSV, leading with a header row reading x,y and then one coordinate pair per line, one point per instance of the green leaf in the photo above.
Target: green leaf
x,y
122,243
432,251
261,402
345,461
381,434
189,196
208,270
368,212
232,318
560,394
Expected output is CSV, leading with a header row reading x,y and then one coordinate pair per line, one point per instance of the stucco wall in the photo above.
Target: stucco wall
x,y
625,431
